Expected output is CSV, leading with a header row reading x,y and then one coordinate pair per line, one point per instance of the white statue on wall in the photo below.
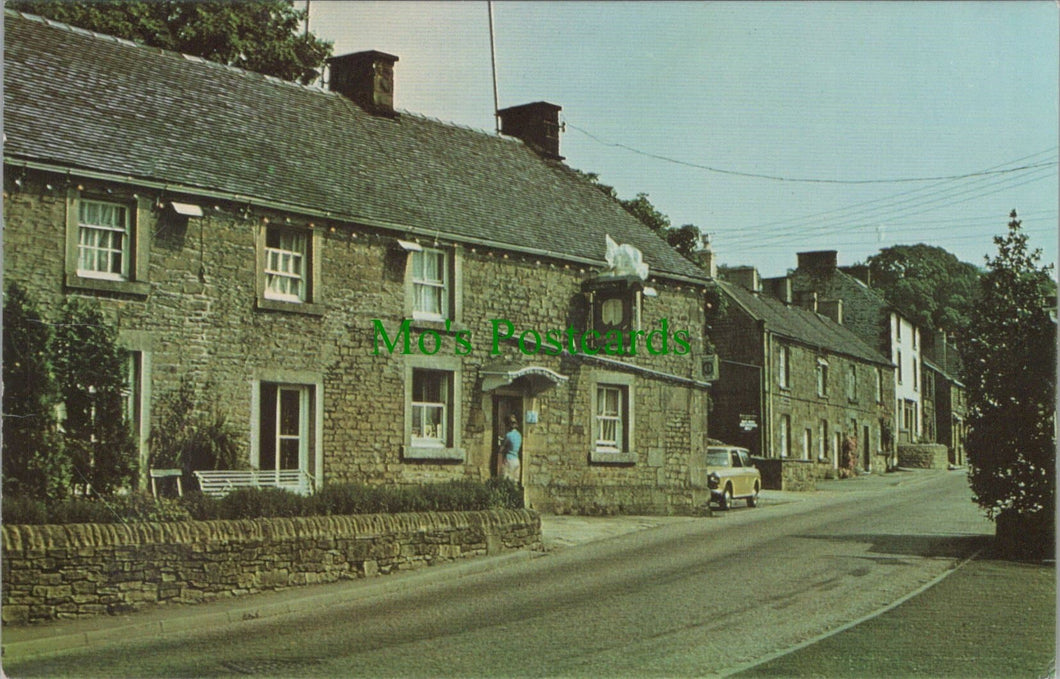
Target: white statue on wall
x,y
624,260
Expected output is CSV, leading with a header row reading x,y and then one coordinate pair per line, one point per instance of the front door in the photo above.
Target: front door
x,y
503,406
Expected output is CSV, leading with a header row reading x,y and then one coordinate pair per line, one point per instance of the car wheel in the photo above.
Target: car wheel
x,y
726,498
753,500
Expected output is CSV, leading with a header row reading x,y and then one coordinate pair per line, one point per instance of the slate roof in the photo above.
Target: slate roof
x,y
803,325
84,101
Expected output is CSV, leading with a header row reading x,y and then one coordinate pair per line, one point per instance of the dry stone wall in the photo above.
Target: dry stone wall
x,y
71,571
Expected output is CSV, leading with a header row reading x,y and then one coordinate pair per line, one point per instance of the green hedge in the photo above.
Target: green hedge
x,y
253,503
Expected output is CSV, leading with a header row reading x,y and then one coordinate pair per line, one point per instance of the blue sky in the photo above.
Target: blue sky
x,y
840,92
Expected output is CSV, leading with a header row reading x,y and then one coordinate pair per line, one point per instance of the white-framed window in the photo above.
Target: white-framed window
x,y
852,382
807,444
284,426
879,385
430,284
431,407
822,377
104,240
610,421
783,367
286,265
785,435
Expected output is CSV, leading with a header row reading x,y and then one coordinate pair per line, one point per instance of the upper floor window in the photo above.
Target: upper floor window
x,y
103,240
852,383
288,277
898,363
783,369
898,330
879,385
108,241
916,373
286,259
822,377
430,284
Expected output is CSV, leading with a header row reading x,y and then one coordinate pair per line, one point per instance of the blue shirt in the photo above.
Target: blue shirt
x,y
513,442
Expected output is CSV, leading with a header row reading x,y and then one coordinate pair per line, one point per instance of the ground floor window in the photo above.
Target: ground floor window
x,y
785,435
807,444
611,425
431,406
284,426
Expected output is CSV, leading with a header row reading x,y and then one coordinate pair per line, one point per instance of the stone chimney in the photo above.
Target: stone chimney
x,y
537,124
779,287
832,308
705,258
818,261
745,277
806,299
860,272
367,78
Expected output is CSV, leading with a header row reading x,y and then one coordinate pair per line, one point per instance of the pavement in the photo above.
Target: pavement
x,y
558,532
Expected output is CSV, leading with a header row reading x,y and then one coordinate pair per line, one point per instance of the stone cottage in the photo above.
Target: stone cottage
x,y
793,383
876,321
367,293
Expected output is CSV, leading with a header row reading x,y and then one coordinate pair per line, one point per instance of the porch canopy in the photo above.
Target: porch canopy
x,y
535,378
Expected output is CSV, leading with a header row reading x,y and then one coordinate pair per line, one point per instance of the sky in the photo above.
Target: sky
x,y
774,127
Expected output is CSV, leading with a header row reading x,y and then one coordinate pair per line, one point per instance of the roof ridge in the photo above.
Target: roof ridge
x,y
161,51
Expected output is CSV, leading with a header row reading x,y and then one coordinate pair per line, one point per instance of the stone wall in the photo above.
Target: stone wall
x,y
71,571
923,455
796,475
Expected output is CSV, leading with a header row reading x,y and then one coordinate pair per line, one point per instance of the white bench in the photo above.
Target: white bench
x,y
221,482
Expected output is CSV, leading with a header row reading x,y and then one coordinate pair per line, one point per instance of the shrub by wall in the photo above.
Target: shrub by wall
x,y
70,571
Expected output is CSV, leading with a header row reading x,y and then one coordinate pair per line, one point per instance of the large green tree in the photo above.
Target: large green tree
x,y
1010,360
91,372
263,36
34,462
934,288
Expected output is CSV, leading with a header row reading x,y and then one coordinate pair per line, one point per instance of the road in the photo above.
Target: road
x,y
693,598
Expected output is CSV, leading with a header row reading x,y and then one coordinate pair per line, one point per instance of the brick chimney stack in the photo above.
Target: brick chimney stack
x,y
537,124
367,78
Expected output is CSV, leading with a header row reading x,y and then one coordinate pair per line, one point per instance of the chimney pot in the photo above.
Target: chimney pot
x,y
367,78
537,124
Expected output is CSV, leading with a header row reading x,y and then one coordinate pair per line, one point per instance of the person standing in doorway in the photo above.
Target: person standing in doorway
x,y
510,446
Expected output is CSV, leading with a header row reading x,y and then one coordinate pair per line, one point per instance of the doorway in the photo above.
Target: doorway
x,y
867,450
503,406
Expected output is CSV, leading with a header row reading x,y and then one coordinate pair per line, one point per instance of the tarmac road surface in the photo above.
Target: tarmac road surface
x,y
697,597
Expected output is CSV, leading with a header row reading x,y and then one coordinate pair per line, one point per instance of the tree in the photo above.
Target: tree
x,y
685,239
90,371
929,284
1010,354
257,35
34,463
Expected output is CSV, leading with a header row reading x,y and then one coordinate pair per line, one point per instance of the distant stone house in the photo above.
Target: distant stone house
x,y
792,382
367,293
942,369
819,280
